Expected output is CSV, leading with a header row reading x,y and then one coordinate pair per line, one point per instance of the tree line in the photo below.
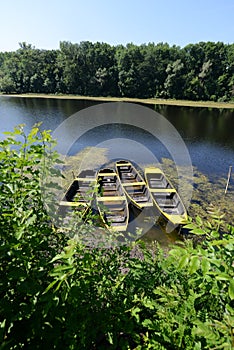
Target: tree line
x,y
201,71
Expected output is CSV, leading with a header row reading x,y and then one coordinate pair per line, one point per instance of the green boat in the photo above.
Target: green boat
x,y
111,201
165,197
134,185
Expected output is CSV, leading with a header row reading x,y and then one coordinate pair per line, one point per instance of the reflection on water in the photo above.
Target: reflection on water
x,y
207,133
156,228
197,124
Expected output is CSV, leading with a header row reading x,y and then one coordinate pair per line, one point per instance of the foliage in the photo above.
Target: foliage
x,y
58,293
202,71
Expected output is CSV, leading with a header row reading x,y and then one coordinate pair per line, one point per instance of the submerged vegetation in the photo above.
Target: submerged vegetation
x,y
204,191
196,72
57,292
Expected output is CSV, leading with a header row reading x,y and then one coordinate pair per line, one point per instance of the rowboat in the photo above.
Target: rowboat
x,y
80,193
165,197
134,185
111,201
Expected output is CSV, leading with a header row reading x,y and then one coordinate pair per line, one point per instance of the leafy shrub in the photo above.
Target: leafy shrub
x,y
57,293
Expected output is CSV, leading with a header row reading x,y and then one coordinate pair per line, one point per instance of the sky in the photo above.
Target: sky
x,y
44,23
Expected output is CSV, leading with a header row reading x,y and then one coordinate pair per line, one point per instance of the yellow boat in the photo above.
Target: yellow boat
x,y
111,201
80,193
165,197
134,185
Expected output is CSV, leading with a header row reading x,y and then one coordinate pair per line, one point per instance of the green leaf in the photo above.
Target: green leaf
x,y
31,220
199,220
19,233
50,286
205,265
10,187
110,338
231,289
194,264
147,323
135,313
190,226
183,262
198,231
223,277
197,346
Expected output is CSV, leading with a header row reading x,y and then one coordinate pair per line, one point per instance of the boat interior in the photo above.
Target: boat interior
x,y
134,184
169,202
157,180
112,202
81,189
128,174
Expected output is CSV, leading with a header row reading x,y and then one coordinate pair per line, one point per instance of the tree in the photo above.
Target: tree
x,y
175,81
202,71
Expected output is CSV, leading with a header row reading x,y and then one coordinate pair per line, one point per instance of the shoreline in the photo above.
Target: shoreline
x,y
153,101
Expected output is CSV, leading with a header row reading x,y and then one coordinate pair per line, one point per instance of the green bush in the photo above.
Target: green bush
x,y
57,293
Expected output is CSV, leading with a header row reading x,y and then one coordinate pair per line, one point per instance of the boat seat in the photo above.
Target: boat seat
x,y
129,176
115,209
108,183
109,187
159,184
136,189
124,168
116,218
140,198
135,193
109,193
172,211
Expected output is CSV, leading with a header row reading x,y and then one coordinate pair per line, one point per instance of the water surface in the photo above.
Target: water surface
x,y
207,133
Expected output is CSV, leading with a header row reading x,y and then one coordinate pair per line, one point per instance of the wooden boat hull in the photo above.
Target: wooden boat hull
x,y
134,185
80,193
111,201
165,197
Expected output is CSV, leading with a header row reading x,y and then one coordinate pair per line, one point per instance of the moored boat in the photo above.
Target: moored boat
x,y
165,197
134,185
80,193
111,201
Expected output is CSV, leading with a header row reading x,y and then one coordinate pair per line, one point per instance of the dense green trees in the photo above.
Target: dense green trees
x,y
202,71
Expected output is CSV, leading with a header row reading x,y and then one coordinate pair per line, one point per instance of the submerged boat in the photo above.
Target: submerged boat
x,y
134,185
111,201
165,197
80,193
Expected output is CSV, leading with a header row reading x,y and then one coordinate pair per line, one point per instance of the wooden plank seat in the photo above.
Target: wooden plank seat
x,y
128,176
167,203
109,187
116,218
140,197
158,184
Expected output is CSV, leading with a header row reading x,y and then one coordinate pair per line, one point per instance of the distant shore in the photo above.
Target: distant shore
x,y
153,101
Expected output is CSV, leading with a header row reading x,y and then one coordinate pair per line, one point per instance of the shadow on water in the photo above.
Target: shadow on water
x,y
207,133
153,226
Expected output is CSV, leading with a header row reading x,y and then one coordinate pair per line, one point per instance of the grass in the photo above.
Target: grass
x,y
171,102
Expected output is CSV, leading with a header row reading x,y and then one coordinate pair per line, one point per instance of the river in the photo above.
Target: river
x,y
207,133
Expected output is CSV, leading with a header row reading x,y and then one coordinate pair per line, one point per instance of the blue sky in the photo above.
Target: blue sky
x,y
44,23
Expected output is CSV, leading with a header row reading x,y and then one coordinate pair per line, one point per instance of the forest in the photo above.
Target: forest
x,y
199,72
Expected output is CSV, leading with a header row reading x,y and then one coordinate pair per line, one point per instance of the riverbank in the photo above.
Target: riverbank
x,y
153,101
